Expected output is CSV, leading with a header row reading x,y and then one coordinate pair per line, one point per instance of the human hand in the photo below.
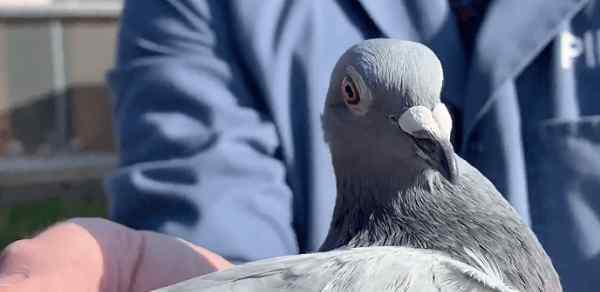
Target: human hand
x,y
99,255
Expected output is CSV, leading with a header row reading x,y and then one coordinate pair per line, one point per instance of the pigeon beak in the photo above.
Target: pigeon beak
x,y
447,160
431,132
439,153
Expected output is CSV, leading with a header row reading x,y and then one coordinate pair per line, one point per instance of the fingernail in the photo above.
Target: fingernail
x,y
10,279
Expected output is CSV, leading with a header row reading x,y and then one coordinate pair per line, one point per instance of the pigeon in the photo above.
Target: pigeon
x,y
410,214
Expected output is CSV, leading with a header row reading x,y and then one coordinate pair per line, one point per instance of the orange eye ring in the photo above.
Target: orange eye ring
x,y
349,92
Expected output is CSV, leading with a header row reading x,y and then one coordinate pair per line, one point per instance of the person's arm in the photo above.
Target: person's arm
x,y
99,255
200,153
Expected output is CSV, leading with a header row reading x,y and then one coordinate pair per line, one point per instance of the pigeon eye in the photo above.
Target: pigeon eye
x,y
355,92
349,92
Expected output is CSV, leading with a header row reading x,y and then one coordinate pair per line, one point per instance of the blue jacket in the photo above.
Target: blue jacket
x,y
218,109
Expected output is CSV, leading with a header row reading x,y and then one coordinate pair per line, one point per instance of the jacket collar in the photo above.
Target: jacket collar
x,y
511,36
513,33
413,20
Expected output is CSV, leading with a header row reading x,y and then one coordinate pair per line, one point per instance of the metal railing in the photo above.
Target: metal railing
x,y
31,170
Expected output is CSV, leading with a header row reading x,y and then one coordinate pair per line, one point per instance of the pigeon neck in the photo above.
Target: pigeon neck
x,y
365,208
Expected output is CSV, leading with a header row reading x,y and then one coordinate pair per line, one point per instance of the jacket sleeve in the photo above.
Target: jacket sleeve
x,y
199,152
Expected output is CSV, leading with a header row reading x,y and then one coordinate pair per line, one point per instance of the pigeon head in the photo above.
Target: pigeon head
x,y
383,109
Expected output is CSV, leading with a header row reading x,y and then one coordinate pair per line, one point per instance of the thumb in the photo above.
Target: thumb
x,y
21,282
10,279
15,272
50,263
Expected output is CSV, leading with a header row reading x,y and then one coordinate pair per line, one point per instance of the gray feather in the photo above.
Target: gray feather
x,y
359,269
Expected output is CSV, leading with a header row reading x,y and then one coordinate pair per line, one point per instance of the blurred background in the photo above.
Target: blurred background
x,y
56,140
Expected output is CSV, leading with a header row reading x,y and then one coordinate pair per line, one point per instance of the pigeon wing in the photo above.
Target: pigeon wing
x,y
358,269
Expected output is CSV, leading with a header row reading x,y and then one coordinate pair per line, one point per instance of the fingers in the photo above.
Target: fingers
x,y
143,261
213,259
166,260
99,255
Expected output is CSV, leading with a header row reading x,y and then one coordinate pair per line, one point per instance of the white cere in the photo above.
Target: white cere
x,y
420,119
444,120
